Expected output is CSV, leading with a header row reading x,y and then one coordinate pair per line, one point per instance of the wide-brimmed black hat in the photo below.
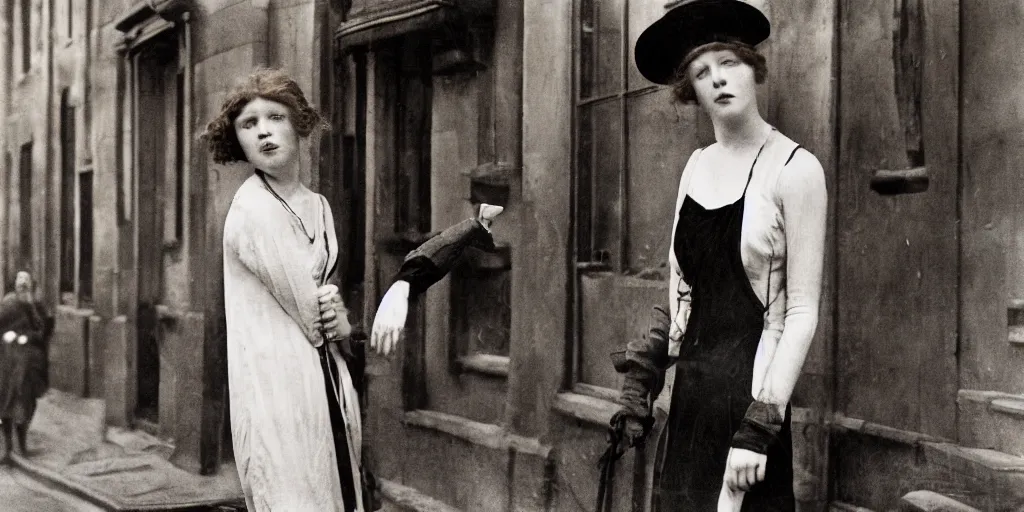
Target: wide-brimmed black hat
x,y
664,44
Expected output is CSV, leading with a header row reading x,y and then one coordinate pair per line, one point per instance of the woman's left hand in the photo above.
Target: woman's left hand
x,y
744,468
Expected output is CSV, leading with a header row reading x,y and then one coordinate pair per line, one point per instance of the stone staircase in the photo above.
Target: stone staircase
x,y
884,469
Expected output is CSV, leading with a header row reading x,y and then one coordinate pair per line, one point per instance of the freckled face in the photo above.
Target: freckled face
x,y
266,134
725,85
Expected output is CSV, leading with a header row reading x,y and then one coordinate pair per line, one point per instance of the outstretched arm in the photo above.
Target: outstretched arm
x,y
423,267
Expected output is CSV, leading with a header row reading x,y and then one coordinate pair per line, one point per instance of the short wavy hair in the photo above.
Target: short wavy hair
x,y
269,84
683,89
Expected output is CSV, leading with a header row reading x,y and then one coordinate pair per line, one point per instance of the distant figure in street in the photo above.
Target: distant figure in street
x,y
745,275
25,329
295,419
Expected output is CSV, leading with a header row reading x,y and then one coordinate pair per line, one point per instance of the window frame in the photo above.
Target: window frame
x,y
591,263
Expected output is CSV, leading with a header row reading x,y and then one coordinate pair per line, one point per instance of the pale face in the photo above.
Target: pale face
x,y
267,136
725,85
23,281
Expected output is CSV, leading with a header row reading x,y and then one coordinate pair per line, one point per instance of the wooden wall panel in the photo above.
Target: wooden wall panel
x,y
992,204
898,254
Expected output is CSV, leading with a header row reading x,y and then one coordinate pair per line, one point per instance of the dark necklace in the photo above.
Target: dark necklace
x,y
286,206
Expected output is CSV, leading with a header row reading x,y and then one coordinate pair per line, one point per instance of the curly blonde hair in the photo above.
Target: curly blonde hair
x,y
683,89
269,84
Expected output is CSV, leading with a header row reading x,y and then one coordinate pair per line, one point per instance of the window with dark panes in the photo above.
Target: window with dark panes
x,y
8,226
631,143
25,226
85,226
67,197
26,35
69,13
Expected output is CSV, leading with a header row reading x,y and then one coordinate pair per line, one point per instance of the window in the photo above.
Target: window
x,y
25,207
631,143
174,168
69,16
26,35
67,196
85,237
8,190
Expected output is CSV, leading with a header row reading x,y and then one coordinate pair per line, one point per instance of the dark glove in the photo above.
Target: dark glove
x,y
633,421
759,429
632,431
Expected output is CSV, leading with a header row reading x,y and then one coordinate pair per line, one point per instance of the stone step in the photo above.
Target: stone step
x,y
986,479
401,498
928,501
876,465
839,506
992,420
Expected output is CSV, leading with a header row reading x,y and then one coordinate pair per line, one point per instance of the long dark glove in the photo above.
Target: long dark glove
x,y
430,262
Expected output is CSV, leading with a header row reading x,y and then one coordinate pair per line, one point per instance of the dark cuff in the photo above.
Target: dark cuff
x,y
420,272
759,429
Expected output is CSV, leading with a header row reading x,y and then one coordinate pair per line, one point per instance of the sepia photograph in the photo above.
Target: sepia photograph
x,y
511,256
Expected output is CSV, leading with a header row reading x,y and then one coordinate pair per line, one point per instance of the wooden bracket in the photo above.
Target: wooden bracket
x,y
901,181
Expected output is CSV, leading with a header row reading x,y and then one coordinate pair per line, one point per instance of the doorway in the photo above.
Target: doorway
x,y
159,131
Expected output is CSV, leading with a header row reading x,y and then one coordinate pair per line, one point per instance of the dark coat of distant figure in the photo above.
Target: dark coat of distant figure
x,y
23,365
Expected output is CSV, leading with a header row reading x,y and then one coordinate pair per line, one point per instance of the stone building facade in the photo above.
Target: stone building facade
x,y
502,387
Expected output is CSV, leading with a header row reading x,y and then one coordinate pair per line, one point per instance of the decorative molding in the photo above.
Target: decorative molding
x,y
144,12
149,19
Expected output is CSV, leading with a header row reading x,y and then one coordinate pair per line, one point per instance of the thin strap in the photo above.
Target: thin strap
x,y
750,175
791,155
768,293
287,206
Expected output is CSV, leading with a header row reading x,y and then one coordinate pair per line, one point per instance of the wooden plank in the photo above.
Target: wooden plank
x,y
939,134
897,309
993,218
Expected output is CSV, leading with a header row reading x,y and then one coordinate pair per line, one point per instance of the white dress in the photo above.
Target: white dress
x,y
280,422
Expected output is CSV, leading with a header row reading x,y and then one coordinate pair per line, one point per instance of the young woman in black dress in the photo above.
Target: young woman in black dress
x,y
746,268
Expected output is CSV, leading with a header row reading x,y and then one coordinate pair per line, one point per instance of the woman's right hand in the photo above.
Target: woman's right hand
x,y
333,322
389,321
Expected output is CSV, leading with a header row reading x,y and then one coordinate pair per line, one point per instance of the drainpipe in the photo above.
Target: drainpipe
x,y
5,98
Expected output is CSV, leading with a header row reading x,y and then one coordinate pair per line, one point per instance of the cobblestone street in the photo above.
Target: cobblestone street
x,y
21,493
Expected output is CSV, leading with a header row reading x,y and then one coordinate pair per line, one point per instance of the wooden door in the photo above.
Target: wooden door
x,y
401,166
162,280
897,219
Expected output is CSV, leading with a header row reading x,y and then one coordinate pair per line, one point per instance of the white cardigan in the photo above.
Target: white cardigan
x,y
763,251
